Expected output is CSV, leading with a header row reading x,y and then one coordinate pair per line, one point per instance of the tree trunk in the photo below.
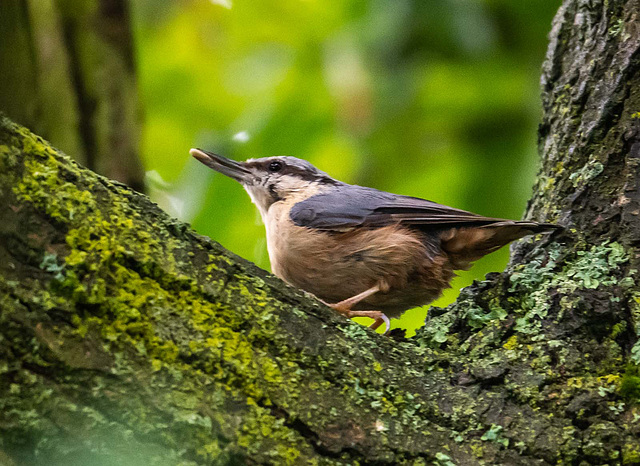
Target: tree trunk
x,y
125,338
68,73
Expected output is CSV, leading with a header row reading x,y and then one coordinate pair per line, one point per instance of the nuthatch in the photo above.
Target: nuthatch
x,y
367,253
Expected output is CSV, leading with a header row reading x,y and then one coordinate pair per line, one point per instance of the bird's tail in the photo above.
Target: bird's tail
x,y
467,244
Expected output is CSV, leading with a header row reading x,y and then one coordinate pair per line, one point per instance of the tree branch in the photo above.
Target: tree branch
x,y
127,338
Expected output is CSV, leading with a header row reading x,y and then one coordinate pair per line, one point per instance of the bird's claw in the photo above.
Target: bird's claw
x,y
387,323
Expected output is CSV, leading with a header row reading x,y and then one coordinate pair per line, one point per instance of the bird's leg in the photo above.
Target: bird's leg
x,y
378,316
344,308
348,303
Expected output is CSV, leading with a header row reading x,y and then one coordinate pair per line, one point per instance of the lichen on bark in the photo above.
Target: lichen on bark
x,y
138,332
127,338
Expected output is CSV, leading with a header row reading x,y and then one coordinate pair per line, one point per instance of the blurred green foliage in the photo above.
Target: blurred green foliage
x,y
431,98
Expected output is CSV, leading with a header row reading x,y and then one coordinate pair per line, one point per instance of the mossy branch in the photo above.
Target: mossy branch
x,y
129,338
126,338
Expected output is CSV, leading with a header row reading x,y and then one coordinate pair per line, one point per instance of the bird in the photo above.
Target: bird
x,y
362,251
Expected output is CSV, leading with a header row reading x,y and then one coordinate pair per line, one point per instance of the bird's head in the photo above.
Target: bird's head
x,y
269,179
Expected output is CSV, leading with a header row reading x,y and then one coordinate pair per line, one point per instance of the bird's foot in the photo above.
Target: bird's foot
x,y
378,317
344,308
383,319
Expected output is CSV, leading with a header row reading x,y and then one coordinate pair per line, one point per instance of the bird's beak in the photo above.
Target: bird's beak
x,y
228,167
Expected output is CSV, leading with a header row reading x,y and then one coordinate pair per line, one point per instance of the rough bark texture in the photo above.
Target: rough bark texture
x,y
125,338
68,74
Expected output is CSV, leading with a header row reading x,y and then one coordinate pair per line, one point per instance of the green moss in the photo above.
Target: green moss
x,y
265,436
631,453
630,384
127,303
43,178
616,28
477,448
222,358
125,281
511,343
594,444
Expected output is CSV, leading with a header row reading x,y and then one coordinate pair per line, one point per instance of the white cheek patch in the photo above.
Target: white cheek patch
x,y
291,190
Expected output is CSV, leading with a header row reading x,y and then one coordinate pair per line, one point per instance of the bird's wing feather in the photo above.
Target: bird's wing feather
x,y
347,206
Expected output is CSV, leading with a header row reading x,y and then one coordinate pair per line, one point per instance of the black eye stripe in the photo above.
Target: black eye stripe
x,y
292,167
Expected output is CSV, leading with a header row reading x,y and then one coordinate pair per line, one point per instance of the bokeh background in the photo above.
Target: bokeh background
x,y
430,98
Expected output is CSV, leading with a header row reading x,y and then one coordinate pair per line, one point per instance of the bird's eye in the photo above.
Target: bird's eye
x,y
275,166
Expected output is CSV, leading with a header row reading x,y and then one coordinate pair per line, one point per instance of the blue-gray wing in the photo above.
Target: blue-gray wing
x,y
348,206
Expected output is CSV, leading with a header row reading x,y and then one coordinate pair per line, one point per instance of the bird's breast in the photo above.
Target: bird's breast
x,y
337,265
288,244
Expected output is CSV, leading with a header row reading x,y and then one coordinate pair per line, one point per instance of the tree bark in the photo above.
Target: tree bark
x,y
126,338
68,73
